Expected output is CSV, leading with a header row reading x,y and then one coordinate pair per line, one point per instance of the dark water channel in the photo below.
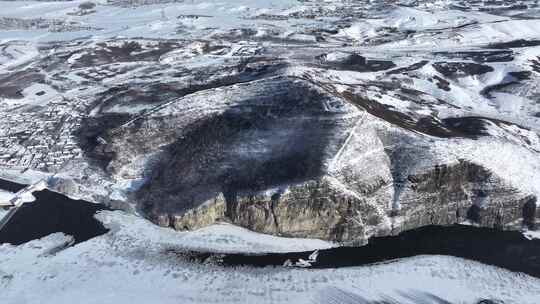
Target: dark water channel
x,y
507,249
51,212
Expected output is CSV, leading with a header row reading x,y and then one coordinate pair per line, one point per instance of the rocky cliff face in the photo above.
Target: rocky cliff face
x,y
326,209
453,193
318,208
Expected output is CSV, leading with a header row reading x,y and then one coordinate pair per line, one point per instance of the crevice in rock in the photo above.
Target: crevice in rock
x,y
474,214
273,204
529,213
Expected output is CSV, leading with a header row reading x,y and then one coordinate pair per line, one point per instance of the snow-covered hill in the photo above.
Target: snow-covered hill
x,y
316,123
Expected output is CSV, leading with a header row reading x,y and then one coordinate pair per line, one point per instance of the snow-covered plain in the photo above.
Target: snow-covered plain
x,y
131,264
5,195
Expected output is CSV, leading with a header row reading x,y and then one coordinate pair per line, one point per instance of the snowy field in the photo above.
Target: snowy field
x,y
204,18
130,265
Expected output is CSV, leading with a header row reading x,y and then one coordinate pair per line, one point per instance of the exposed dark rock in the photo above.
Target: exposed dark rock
x,y
500,86
470,127
481,56
12,85
442,84
473,213
461,69
529,213
490,301
353,62
521,75
449,194
314,208
412,67
89,136
514,44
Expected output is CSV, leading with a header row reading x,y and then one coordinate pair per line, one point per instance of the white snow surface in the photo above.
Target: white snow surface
x,y
221,237
130,265
5,195
532,234
27,177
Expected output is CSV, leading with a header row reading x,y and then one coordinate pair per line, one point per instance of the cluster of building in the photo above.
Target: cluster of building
x,y
52,25
131,3
494,5
97,74
39,139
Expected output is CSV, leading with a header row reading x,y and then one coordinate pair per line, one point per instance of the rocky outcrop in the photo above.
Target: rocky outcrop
x,y
454,193
204,215
444,195
296,156
279,156
317,208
